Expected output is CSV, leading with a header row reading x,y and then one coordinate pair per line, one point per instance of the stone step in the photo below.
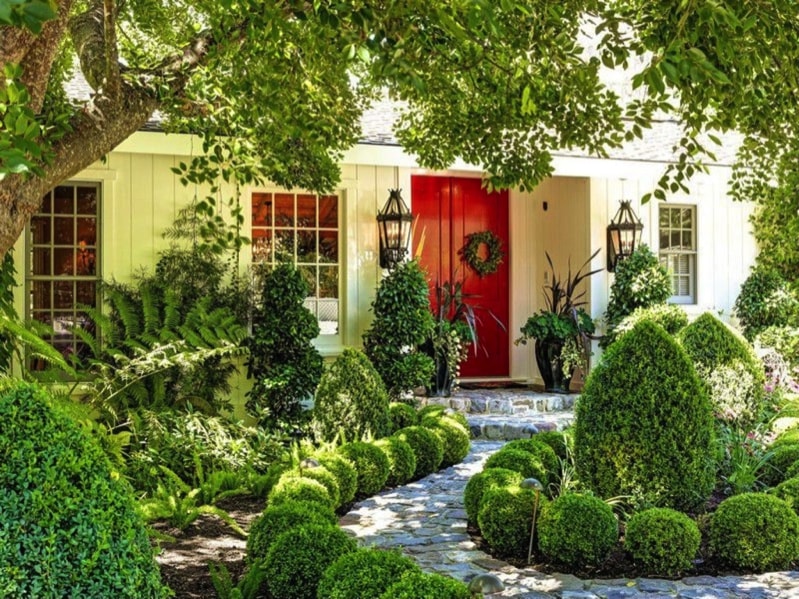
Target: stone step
x,y
511,402
503,427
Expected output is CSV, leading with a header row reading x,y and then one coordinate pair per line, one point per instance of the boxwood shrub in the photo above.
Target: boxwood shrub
x,y
644,424
505,518
454,437
402,415
481,482
523,462
556,440
427,447
777,468
299,488
68,523
321,475
788,491
345,473
671,317
578,530
298,558
755,531
351,399
662,540
401,459
419,585
538,448
364,573
370,462
275,520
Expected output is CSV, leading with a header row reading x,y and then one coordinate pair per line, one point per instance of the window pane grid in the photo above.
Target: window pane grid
x,y
302,229
677,248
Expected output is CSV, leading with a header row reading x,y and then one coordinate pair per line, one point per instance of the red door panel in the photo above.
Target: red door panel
x,y
448,209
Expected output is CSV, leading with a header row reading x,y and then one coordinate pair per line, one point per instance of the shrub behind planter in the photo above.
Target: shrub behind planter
x,y
68,525
755,531
644,425
662,540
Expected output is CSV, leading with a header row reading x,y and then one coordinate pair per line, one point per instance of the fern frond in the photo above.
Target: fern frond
x,y
152,315
122,304
27,336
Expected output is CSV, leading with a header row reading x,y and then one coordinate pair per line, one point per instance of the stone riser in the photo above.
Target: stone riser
x,y
518,405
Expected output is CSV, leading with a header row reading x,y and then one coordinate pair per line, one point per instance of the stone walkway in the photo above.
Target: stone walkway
x,y
427,520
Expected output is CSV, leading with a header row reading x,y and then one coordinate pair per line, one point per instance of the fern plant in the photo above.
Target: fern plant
x,y
248,586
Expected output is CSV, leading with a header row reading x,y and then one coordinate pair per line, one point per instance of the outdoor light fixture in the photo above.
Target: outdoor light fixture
x,y
624,235
485,584
394,224
535,484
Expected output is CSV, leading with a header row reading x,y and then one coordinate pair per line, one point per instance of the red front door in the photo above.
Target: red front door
x,y
448,209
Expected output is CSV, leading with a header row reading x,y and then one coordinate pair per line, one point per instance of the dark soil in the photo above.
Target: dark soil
x,y
184,562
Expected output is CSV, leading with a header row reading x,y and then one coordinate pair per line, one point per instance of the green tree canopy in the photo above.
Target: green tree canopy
x,y
277,87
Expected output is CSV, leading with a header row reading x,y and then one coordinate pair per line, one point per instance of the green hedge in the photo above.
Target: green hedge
x,y
401,459
523,462
276,520
427,586
364,573
481,482
371,463
427,447
505,518
662,540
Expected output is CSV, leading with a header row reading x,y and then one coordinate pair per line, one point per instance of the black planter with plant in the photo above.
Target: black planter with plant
x,y
562,329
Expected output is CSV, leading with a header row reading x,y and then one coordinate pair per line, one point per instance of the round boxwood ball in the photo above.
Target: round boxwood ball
x,y
441,413
299,488
427,586
523,462
364,573
776,469
298,558
370,462
275,520
321,475
539,449
578,530
662,540
402,415
455,438
345,473
556,441
427,447
788,491
402,460
68,521
431,410
755,531
490,478
505,518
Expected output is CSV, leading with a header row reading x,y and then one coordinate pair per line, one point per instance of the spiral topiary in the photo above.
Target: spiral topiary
x,y
299,488
371,463
298,558
419,585
321,475
402,415
68,521
777,468
401,459
427,447
364,573
788,491
644,424
755,531
480,483
523,462
505,518
539,449
662,540
578,530
275,520
351,399
345,473
454,437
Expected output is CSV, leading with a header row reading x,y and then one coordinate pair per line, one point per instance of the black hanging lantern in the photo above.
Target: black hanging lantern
x,y
394,222
624,235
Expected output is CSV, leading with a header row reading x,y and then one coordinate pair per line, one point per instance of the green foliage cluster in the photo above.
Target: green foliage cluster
x,y
439,411
371,463
402,323
765,300
755,531
402,415
364,573
784,340
419,585
782,457
670,316
402,460
521,461
300,488
344,471
640,281
298,558
284,364
275,520
662,540
713,346
321,475
351,399
788,491
427,447
578,530
505,518
8,275
539,449
644,424
556,440
68,523
482,482
454,436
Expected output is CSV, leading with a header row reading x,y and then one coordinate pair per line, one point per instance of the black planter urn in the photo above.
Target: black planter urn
x,y
547,357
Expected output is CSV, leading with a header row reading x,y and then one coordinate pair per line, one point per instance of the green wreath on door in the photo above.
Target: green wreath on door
x,y
494,254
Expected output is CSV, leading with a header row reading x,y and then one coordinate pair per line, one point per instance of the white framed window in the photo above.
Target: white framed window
x,y
303,229
677,250
62,273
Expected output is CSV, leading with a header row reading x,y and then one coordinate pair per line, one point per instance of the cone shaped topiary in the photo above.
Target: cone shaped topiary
x,y
644,425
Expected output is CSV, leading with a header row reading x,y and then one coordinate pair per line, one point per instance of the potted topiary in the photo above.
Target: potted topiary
x,y
562,329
